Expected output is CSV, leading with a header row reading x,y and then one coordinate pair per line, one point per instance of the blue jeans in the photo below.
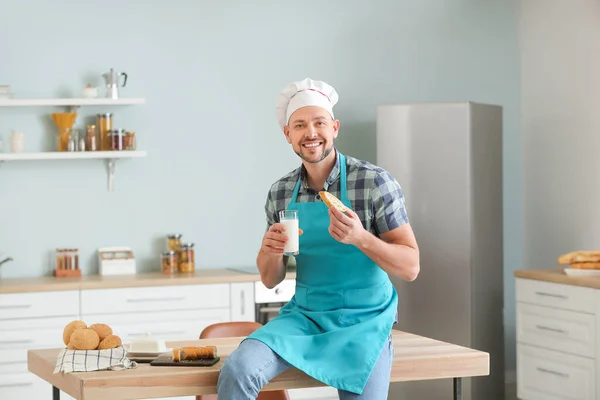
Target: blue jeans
x,y
253,364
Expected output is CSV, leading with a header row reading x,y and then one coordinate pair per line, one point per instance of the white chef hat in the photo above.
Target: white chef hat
x,y
304,93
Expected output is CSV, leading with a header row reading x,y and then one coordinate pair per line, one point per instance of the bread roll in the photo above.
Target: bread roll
x,y
109,342
84,339
332,201
102,330
71,326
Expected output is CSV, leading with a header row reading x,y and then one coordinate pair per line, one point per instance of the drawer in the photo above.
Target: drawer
x,y
171,325
546,374
280,293
16,340
151,299
39,304
568,331
556,295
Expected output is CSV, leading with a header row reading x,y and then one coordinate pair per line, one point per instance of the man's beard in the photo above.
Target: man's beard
x,y
324,155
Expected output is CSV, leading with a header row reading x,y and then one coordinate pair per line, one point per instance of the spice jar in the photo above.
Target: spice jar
x,y
169,262
116,139
129,141
186,257
91,143
173,242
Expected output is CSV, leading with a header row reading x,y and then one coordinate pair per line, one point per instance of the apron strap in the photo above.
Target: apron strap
x,y
343,194
296,189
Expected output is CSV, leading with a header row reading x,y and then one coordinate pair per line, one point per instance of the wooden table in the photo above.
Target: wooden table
x,y
415,358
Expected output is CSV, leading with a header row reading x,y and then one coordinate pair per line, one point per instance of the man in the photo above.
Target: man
x,y
337,327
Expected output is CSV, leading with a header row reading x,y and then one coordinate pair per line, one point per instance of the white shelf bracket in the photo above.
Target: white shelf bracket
x,y
111,173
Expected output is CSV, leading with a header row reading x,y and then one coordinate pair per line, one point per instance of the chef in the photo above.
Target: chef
x,y
337,327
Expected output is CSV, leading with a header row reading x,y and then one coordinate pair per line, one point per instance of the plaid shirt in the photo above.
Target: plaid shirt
x,y
375,196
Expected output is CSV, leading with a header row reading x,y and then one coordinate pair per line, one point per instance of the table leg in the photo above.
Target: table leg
x,y
457,388
55,393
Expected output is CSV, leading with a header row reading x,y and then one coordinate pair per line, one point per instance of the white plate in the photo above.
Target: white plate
x,y
582,272
147,353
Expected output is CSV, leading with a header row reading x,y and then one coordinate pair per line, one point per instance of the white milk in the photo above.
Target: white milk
x,y
291,231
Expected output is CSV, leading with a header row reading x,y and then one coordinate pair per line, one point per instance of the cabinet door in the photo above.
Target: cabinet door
x,y
152,299
165,325
242,301
551,375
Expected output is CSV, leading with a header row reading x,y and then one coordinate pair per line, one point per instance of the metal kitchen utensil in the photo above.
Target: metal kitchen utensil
x,y
111,79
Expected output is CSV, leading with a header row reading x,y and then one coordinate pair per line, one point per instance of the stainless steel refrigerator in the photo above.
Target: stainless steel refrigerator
x,y
448,159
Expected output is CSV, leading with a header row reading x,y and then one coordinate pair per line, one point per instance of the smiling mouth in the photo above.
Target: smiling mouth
x,y
311,145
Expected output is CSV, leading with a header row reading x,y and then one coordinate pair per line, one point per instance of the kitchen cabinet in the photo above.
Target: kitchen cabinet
x,y
558,346
31,321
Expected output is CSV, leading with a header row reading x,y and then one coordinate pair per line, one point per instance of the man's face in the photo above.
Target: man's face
x,y
311,132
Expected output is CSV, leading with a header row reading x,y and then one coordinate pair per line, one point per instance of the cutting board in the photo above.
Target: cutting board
x,y
166,360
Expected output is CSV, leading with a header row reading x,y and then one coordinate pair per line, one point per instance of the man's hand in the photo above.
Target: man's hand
x,y
346,227
275,239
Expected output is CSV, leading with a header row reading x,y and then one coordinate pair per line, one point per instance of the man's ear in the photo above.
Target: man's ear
x,y
286,132
336,128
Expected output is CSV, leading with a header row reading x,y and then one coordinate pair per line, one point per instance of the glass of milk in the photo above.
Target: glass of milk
x,y
289,219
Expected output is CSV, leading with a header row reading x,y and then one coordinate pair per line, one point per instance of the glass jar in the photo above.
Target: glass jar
x,y
173,242
116,139
91,140
129,141
105,125
169,262
64,134
186,258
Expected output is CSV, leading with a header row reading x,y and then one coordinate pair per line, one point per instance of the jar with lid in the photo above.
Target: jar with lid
x,y
105,125
116,139
174,241
186,257
169,262
91,141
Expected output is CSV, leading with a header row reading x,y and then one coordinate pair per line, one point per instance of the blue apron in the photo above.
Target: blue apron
x,y
341,315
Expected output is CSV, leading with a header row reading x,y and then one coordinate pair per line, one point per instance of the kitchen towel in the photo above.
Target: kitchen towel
x,y
93,360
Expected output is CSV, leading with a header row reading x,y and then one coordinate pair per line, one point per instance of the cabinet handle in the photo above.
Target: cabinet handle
x,y
16,384
16,341
547,328
156,299
158,333
558,296
242,303
549,371
8,307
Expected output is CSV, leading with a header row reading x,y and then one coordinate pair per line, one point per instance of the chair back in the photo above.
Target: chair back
x,y
242,328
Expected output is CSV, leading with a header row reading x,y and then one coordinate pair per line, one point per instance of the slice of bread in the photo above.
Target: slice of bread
x,y
332,201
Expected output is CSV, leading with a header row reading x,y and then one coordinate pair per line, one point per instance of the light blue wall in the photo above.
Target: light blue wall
x,y
211,72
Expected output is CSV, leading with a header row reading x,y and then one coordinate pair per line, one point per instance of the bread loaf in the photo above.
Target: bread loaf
x,y
194,353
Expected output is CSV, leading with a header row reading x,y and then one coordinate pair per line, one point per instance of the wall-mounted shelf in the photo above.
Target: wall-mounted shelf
x,y
72,103
110,156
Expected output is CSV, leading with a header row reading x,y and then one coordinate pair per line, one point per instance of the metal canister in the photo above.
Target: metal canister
x,y
105,125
